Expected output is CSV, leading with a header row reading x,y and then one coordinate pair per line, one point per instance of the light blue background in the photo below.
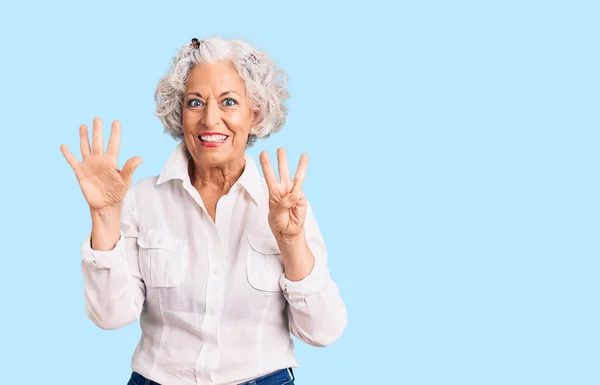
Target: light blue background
x,y
453,170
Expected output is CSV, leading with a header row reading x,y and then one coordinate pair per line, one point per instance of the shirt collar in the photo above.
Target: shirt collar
x,y
176,167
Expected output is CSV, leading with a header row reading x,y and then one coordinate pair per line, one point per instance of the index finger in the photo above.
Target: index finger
x,y
268,172
300,173
115,139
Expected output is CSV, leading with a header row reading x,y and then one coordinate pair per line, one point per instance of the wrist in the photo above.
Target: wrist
x,y
106,228
106,212
287,240
297,258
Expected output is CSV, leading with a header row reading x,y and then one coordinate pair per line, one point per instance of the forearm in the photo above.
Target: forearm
x,y
317,314
319,319
106,226
298,260
113,298
114,295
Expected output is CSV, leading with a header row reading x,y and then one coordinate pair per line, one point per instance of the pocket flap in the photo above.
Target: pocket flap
x,y
263,244
157,239
264,265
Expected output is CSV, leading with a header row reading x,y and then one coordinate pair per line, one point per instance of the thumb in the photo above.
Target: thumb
x,y
129,168
289,201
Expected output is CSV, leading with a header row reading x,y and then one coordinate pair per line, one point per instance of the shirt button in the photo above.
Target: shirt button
x,y
209,349
216,271
212,311
274,247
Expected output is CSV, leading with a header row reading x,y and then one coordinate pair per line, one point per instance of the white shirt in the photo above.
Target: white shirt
x,y
214,304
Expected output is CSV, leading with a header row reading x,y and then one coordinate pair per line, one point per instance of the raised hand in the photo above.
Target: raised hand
x,y
102,183
287,204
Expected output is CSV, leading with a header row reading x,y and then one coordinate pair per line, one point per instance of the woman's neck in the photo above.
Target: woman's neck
x,y
218,177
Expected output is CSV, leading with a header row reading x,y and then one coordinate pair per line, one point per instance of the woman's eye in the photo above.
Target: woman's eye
x,y
194,103
230,102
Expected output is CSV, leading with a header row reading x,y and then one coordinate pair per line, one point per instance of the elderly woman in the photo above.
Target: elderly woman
x,y
219,264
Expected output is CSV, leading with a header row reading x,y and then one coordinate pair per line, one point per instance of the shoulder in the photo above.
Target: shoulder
x,y
145,187
147,183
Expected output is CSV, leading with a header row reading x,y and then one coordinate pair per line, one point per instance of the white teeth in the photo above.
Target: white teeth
x,y
213,138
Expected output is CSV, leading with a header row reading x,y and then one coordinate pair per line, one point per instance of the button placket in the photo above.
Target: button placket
x,y
214,291
210,322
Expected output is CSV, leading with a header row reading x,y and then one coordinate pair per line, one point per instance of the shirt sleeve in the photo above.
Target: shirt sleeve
x,y
317,314
114,291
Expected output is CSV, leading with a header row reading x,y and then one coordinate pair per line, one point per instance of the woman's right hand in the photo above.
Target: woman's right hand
x,y
102,183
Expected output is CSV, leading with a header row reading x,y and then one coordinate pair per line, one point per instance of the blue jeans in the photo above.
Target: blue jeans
x,y
280,377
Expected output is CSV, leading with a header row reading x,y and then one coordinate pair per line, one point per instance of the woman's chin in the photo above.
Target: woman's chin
x,y
215,155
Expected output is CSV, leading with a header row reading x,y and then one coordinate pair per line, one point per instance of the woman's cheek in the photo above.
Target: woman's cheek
x,y
237,123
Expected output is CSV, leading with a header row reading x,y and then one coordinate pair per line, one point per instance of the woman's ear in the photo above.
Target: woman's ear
x,y
256,118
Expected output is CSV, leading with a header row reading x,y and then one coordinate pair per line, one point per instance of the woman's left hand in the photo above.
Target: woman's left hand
x,y
287,204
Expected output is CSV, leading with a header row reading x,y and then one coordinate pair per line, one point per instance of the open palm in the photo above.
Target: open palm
x,y
287,204
102,183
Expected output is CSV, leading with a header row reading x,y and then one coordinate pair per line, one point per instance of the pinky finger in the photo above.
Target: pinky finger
x,y
73,162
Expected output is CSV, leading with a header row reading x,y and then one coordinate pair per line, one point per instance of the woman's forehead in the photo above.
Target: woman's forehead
x,y
214,76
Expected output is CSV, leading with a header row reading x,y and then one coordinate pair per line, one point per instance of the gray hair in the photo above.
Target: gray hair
x,y
265,84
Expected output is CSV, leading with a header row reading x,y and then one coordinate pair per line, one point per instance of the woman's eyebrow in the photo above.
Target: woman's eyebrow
x,y
222,94
227,92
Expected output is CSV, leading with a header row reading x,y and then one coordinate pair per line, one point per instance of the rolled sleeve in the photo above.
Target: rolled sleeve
x,y
314,282
317,314
114,290
98,259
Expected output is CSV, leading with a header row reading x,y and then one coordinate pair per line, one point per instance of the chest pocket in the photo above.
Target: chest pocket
x,y
264,265
161,258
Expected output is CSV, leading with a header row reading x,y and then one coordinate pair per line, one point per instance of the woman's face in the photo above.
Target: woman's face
x,y
216,114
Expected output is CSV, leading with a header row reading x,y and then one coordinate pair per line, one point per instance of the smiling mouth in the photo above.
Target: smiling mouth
x,y
213,138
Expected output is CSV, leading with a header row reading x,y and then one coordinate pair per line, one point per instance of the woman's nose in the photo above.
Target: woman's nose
x,y
211,115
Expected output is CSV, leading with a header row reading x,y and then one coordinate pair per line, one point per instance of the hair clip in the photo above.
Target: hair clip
x,y
195,43
252,57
